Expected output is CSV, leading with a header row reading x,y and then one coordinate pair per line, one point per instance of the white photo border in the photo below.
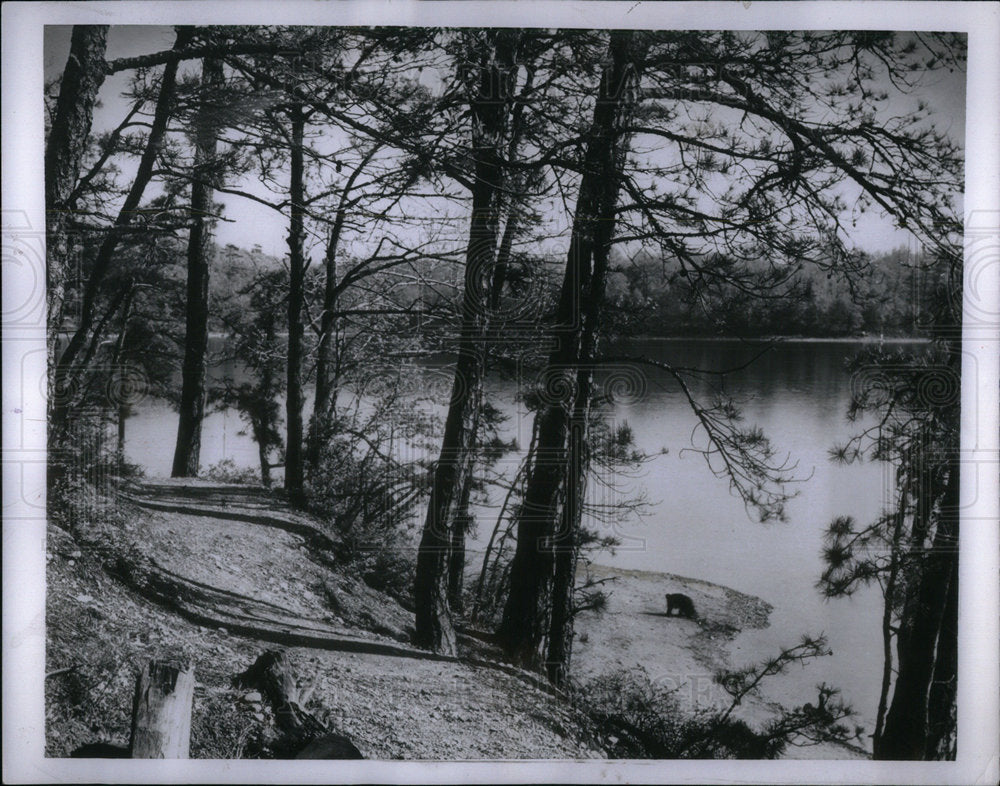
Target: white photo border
x,y
24,358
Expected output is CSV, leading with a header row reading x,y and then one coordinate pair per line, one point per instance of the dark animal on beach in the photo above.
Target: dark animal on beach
x,y
683,604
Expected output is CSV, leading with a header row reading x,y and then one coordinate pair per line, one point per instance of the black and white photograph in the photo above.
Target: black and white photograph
x,y
501,392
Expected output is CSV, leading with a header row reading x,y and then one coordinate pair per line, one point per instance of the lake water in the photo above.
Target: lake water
x,y
798,393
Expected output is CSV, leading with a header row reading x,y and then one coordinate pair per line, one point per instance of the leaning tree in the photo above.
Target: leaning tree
x,y
68,367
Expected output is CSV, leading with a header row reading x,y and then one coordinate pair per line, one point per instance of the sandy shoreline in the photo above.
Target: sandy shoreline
x,y
633,630
681,654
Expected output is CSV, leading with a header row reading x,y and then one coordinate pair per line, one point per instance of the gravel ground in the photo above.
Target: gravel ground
x,y
392,707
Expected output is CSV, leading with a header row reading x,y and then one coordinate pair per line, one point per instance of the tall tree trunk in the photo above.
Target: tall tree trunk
x,y
296,295
164,106
118,366
319,425
887,610
527,615
456,559
941,703
566,542
192,406
65,148
905,735
566,546
434,629
503,257
262,454
516,195
325,402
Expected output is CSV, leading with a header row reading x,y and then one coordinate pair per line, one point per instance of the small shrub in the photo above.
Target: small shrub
x,y
636,717
226,471
369,503
640,719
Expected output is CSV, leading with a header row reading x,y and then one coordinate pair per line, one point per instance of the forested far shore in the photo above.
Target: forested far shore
x,y
892,295
648,297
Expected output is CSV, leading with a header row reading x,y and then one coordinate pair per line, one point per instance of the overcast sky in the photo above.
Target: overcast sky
x,y
253,224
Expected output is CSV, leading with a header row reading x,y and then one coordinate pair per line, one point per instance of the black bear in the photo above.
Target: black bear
x,y
683,604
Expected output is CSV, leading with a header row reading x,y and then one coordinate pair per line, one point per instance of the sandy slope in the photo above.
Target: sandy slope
x,y
99,633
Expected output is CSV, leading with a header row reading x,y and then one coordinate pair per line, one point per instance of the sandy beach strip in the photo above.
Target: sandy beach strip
x,y
680,654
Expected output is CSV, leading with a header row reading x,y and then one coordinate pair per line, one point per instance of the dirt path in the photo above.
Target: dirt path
x,y
245,573
251,563
399,705
391,707
270,566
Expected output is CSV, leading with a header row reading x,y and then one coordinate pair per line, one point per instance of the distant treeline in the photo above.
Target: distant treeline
x,y
892,296
656,297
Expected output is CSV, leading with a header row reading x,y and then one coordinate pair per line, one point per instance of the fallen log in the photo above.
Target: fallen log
x,y
100,750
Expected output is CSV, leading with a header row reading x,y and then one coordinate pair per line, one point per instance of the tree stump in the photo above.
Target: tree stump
x,y
161,710
305,736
